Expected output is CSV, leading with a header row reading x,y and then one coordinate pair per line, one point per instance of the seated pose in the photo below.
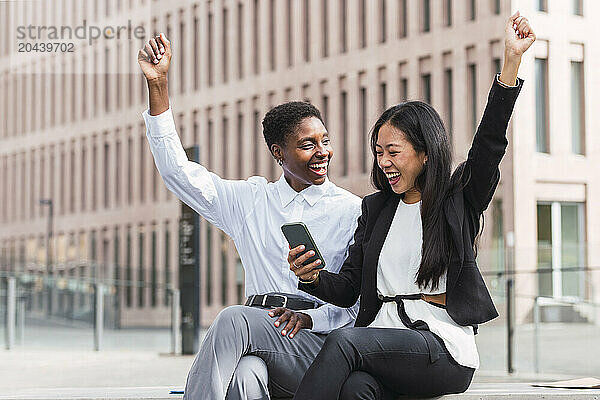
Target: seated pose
x,y
247,354
413,261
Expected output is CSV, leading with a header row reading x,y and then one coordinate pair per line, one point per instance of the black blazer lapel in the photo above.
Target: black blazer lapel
x,y
454,210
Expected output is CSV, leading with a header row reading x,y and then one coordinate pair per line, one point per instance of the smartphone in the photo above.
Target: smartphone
x,y
296,234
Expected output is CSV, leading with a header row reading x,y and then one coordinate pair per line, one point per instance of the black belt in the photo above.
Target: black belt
x,y
280,300
418,325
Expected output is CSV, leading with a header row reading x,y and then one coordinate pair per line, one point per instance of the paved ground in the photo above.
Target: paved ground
x,y
55,356
477,391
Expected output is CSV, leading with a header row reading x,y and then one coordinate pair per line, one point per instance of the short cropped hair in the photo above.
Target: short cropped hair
x,y
283,120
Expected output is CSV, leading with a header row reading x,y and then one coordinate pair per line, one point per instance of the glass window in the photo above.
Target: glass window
x,y
240,39
578,7
290,40
404,89
211,48
426,87
472,10
402,17
167,264
240,136
572,248
448,104
363,128
325,28
498,236
196,47
255,36
448,12
561,249
344,130
544,249
182,56
128,270
209,155
382,96
382,21
141,281
105,185
153,269
224,138
426,16
225,43
209,279
472,86
577,108
224,274
344,25
362,23
306,27
256,143
142,167
541,105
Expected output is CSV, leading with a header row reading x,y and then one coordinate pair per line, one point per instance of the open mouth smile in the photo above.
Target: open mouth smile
x,y
393,177
319,168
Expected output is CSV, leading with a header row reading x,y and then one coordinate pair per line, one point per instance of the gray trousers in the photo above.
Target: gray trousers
x,y
222,366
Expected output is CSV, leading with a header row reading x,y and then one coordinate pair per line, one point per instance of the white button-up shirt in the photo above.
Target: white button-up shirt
x,y
252,211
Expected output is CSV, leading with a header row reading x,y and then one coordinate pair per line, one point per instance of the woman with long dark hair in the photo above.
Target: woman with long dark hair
x,y
413,258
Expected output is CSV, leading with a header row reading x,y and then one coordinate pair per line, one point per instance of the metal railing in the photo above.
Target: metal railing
x,y
23,294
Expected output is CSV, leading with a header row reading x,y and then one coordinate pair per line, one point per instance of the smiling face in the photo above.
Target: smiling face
x,y
306,154
397,158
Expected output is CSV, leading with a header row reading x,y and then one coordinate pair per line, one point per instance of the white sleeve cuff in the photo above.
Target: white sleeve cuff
x,y
320,321
161,124
504,84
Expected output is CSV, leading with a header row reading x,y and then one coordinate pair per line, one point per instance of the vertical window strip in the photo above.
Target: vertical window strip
x,y
344,129
577,108
541,105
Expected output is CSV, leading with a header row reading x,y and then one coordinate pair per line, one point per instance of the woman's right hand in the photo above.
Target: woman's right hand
x,y
155,57
297,257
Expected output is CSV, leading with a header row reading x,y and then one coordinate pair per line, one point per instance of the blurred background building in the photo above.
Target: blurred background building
x,y
72,139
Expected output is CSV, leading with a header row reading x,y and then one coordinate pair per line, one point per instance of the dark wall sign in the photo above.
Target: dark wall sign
x,y
189,271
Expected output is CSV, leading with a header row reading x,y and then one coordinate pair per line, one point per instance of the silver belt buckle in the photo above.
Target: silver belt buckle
x,y
264,300
284,297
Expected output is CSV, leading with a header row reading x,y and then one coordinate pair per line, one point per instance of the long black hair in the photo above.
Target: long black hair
x,y
424,130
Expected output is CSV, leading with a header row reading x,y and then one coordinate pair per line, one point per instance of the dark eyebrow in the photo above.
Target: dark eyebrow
x,y
311,139
388,145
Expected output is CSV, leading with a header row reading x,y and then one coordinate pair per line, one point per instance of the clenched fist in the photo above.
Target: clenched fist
x,y
155,57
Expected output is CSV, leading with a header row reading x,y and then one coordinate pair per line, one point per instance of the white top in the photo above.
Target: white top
x,y
252,211
397,269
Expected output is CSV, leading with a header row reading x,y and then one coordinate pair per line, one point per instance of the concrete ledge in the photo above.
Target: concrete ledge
x,y
477,391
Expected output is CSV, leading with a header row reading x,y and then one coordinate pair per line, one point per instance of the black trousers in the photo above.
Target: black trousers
x,y
381,363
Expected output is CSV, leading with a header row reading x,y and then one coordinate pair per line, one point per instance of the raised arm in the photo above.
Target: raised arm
x,y
222,202
154,60
481,173
518,37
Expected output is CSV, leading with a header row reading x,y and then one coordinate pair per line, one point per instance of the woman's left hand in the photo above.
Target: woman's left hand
x,y
518,35
295,320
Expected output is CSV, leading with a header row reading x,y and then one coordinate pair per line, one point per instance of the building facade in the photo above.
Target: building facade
x,y
73,132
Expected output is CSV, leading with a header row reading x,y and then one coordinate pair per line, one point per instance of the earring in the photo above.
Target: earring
x,y
280,161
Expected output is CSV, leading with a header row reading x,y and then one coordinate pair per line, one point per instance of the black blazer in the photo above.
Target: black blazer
x,y
468,301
